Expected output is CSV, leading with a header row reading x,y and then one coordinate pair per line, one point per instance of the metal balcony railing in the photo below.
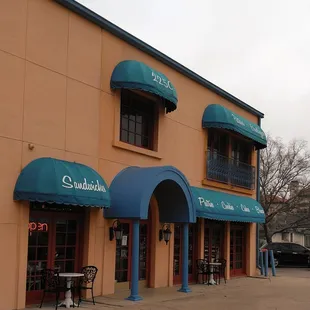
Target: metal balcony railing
x,y
230,171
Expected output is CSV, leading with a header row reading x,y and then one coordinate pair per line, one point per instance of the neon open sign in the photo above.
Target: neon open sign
x,y
33,226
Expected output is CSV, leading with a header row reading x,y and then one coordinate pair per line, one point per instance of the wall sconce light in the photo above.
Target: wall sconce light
x,y
165,233
116,231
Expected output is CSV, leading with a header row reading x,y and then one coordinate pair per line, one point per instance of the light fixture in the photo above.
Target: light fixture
x,y
116,231
165,233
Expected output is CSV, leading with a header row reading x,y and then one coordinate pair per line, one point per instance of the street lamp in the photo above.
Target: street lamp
x,y
165,233
116,231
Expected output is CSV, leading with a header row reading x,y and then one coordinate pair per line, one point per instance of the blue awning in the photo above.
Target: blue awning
x,y
57,181
216,205
217,116
132,74
131,191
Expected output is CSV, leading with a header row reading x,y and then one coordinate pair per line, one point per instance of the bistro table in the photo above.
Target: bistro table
x,y
212,265
68,302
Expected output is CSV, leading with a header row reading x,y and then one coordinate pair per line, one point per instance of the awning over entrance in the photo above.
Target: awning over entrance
x,y
132,74
221,206
131,191
57,181
217,116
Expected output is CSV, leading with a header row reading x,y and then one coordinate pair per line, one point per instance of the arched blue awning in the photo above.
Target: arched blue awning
x,y
57,181
132,188
132,74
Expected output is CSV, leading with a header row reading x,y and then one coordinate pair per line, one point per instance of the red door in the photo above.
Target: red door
x,y
53,242
237,250
177,256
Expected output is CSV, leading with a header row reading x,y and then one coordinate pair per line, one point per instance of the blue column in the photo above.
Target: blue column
x,y
266,269
273,268
261,258
134,295
185,288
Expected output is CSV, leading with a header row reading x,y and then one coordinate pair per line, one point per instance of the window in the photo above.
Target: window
x,y
229,159
241,151
285,236
138,120
218,143
298,248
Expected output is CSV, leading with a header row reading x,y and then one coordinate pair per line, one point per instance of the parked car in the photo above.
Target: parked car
x,y
289,253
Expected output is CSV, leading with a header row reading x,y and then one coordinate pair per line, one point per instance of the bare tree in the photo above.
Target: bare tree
x,y
285,186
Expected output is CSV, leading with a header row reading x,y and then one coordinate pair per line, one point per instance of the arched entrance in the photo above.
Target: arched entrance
x,y
131,192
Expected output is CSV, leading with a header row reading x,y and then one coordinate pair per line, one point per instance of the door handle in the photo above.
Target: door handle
x,y
294,252
279,252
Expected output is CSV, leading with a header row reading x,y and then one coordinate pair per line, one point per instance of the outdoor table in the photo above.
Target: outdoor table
x,y
211,280
68,302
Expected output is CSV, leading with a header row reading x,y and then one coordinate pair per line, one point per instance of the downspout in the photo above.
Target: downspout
x,y
258,198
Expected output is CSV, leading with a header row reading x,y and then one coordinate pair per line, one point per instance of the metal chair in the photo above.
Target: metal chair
x,y
51,284
87,282
219,271
201,269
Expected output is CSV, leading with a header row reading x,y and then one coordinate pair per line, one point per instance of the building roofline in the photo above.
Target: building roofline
x,y
93,17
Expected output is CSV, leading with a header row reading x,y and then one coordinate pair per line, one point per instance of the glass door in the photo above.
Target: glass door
x,y
237,251
177,256
53,242
213,240
143,256
66,245
191,252
39,252
123,252
123,256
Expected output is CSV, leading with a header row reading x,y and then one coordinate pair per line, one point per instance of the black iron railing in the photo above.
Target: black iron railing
x,y
228,170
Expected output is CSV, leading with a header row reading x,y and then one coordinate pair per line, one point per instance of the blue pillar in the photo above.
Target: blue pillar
x,y
261,258
266,269
273,268
185,288
134,295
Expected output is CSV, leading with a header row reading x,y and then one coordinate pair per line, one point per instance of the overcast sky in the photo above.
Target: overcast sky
x,y
258,51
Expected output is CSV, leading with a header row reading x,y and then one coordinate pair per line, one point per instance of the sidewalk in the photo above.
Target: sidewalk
x,y
284,292
161,298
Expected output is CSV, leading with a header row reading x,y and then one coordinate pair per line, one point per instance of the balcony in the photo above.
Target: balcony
x,y
230,171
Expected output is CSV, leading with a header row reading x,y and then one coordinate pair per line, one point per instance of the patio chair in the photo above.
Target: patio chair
x,y
51,284
219,271
87,282
201,269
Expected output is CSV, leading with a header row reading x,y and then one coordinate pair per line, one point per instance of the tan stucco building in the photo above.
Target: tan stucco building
x,y
76,89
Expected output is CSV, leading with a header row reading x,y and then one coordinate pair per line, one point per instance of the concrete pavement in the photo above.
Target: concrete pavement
x,y
289,290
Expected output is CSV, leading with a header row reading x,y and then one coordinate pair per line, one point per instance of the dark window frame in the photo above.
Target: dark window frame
x,y
229,159
138,120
